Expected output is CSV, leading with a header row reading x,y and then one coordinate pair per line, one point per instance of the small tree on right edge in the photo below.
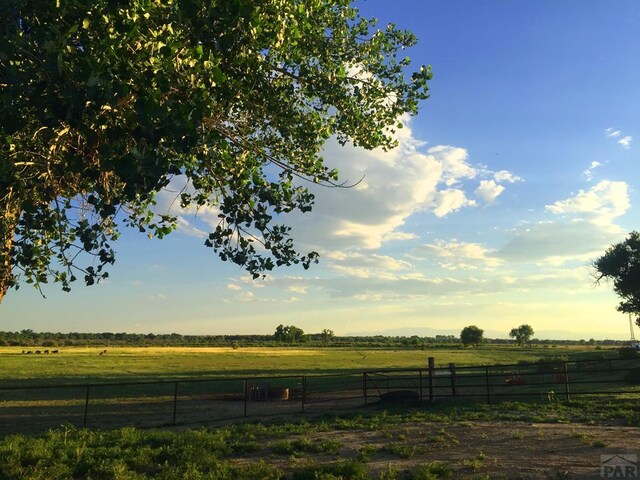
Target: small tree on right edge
x,y
522,334
620,264
471,335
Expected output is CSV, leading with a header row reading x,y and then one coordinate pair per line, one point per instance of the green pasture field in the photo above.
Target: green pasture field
x,y
416,440
129,364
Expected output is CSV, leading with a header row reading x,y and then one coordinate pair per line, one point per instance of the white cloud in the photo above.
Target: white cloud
x,y
489,190
336,255
248,281
458,290
456,255
245,297
450,200
394,185
233,286
368,265
588,231
399,236
588,173
192,219
557,243
611,133
626,141
506,176
454,163
601,203
302,289
616,135
188,228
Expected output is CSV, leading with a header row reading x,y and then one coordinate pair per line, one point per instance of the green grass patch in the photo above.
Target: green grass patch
x,y
130,453
403,450
431,471
85,365
302,446
351,469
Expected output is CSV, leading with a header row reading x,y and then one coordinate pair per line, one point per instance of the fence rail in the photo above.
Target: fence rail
x,y
36,408
550,380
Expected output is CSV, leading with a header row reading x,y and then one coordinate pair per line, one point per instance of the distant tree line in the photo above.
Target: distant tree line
x,y
326,337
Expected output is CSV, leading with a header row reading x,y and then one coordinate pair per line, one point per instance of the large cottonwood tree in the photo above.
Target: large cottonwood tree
x,y
472,335
522,334
102,102
620,264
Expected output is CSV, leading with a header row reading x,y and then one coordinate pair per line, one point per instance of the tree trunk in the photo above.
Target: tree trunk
x,y
7,225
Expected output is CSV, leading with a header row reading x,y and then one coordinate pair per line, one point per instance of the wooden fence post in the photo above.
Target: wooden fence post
x,y
246,395
86,407
488,380
432,366
304,391
452,371
175,401
364,387
420,373
566,382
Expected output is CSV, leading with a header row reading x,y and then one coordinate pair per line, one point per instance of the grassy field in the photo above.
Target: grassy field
x,y
465,440
510,441
86,365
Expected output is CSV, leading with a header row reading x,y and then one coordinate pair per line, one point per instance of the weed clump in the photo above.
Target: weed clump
x,y
351,469
298,448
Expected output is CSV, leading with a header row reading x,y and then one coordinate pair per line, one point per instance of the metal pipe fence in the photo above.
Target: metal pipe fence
x,y
36,408
553,380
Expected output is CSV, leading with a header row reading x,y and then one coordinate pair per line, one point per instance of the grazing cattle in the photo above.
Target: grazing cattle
x,y
103,352
29,352
23,352
38,351
54,351
46,351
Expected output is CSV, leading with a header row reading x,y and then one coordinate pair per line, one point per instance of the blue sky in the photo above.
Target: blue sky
x,y
519,170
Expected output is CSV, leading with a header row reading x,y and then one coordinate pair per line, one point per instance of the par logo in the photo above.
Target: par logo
x,y
619,466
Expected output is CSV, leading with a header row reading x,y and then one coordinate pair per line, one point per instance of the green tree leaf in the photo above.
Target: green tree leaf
x,y
103,103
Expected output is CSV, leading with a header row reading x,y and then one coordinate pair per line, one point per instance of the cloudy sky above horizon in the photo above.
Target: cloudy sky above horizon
x,y
518,172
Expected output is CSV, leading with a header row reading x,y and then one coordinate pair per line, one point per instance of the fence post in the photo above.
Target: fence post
x,y
304,391
566,382
364,387
488,380
175,401
421,396
432,366
86,407
452,371
246,395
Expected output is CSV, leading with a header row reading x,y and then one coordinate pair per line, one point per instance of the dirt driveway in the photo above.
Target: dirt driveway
x,y
479,450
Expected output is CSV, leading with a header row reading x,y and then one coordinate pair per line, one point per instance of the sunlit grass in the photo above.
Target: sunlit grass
x,y
86,365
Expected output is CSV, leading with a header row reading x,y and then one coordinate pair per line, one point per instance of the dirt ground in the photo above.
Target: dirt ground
x,y
477,450
503,450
